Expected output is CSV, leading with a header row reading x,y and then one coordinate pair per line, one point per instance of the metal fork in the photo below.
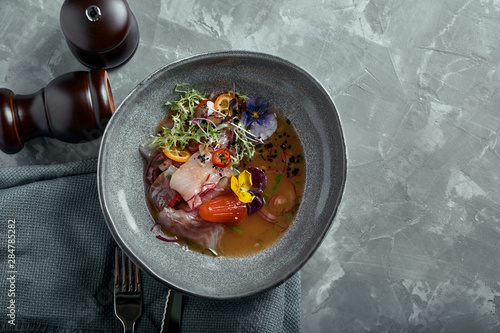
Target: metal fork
x,y
128,295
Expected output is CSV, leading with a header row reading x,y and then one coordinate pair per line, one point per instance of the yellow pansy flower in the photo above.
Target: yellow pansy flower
x,y
241,185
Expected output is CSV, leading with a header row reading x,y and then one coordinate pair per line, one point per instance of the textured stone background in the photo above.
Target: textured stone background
x,y
415,245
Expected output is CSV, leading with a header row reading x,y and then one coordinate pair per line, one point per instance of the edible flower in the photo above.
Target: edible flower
x,y
258,185
257,110
240,186
258,119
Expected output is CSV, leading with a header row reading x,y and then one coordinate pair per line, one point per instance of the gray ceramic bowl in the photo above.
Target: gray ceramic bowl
x,y
294,93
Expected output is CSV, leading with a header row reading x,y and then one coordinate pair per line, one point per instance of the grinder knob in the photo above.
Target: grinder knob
x,y
100,33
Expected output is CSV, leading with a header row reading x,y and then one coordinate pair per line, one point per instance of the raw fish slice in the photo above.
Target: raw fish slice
x,y
191,226
196,177
160,192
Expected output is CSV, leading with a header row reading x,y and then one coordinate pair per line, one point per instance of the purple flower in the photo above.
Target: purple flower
x,y
258,180
258,185
257,111
256,204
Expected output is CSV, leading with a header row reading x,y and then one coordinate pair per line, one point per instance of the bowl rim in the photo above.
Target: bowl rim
x,y
342,168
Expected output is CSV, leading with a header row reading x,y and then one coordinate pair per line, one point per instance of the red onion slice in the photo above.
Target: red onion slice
x,y
156,229
152,171
264,213
166,238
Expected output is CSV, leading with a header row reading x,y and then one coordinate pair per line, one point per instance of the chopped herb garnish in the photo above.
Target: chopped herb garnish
x,y
238,230
262,232
215,254
192,245
278,180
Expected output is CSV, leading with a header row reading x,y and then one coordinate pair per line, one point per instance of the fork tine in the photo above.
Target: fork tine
x,y
129,274
123,272
137,281
128,296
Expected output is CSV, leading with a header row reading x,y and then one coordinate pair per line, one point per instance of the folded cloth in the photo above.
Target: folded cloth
x,y
58,271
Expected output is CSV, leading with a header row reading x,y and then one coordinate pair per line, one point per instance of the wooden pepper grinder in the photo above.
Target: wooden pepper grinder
x,y
71,108
100,33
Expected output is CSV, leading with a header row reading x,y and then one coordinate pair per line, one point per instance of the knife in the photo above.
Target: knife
x,y
172,315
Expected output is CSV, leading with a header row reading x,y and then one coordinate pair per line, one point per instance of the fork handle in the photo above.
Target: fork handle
x,y
128,327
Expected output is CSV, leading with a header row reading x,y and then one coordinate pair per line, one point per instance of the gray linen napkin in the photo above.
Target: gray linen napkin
x,y
62,277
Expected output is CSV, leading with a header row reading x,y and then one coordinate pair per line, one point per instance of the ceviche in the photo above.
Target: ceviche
x,y
224,173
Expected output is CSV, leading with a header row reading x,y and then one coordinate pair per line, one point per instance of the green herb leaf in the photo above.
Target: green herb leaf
x,y
262,232
215,254
278,180
238,230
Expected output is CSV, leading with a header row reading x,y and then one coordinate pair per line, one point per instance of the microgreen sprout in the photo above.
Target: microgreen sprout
x,y
186,127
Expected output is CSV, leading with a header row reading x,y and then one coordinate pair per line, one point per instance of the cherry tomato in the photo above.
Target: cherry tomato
x,y
221,158
224,209
203,105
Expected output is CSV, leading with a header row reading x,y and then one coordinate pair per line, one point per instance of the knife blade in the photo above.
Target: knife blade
x,y
172,315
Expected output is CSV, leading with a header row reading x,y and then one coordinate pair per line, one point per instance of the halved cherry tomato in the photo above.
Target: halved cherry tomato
x,y
224,209
177,155
203,103
221,158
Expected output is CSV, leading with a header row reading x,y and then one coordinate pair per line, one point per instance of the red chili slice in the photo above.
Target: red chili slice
x,y
221,158
175,200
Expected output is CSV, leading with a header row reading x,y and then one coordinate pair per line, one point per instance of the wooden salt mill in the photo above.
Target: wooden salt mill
x,y
100,33
74,107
